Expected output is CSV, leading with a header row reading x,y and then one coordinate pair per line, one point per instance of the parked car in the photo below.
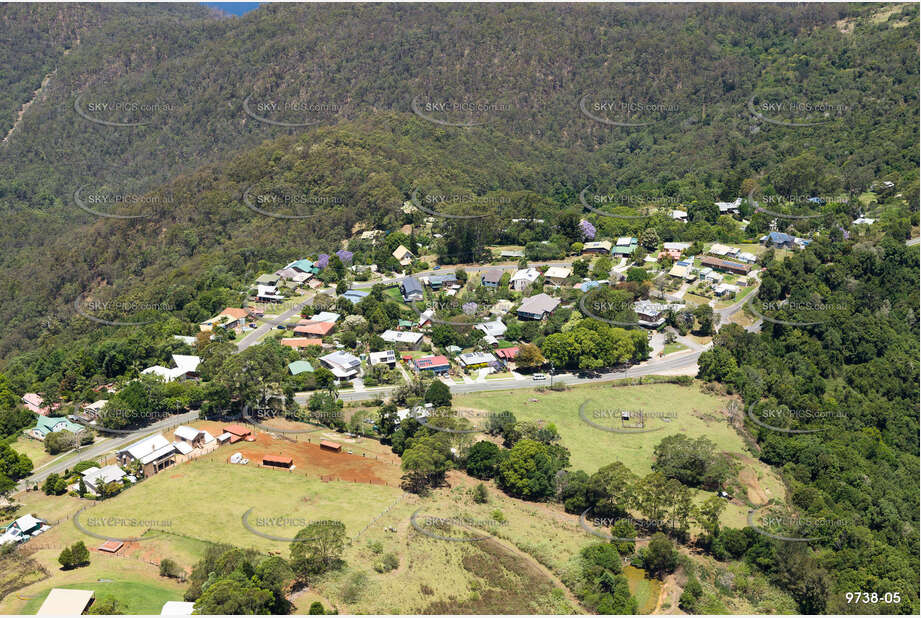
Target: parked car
x,y
539,376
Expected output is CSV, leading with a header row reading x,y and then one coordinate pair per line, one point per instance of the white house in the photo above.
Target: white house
x,y
344,366
557,275
386,357
186,368
96,478
406,338
496,328
523,278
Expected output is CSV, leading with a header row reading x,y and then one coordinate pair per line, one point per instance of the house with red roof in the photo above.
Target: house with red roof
x,y
436,364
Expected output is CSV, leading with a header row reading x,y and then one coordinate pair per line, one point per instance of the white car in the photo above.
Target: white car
x,y
539,376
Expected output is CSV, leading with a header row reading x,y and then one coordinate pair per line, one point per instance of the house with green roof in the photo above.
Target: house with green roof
x,y
49,424
305,266
624,246
300,366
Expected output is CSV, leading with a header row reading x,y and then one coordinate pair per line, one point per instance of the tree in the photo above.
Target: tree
x,y
527,471
234,596
483,460
480,495
529,356
106,606
661,555
316,609
389,419
649,239
424,463
169,568
695,463
76,555
317,548
438,394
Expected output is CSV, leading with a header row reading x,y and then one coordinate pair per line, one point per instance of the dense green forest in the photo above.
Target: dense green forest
x,y
529,66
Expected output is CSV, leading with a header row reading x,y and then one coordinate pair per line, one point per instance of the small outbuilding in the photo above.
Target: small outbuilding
x,y
331,446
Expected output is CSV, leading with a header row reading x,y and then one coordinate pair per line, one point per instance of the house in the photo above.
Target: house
x,y
475,360
674,254
177,608
491,278
403,255
288,274
300,366
191,436
303,266
537,307
66,602
411,289
729,208
557,275
344,366
678,271
49,424
725,289
425,318
231,317
36,404
624,246
268,293
436,364
679,215
495,328
323,316
186,368
314,328
355,296
779,240
386,357
680,247
151,454
268,280
523,278
436,282
501,307
507,354
406,339
235,433
722,250
711,275
601,247
23,529
725,265
92,410
511,253
94,479
748,258
863,221
300,342
652,314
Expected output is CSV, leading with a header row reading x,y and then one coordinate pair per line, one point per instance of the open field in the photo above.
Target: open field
x,y
133,597
33,449
697,414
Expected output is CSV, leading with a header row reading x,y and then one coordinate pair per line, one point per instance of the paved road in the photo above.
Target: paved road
x,y
105,446
253,337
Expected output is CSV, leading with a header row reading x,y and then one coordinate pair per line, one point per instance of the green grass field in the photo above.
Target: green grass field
x,y
133,597
33,449
673,347
591,448
206,499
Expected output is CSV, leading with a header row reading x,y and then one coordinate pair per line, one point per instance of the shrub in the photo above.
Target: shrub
x,y
169,568
386,564
480,495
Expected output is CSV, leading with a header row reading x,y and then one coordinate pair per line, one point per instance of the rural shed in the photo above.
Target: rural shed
x,y
277,461
331,446
65,602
